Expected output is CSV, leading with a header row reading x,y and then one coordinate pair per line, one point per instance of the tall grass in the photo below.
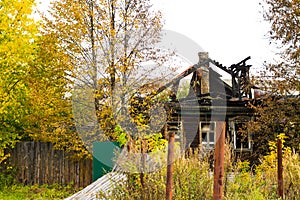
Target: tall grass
x,y
193,179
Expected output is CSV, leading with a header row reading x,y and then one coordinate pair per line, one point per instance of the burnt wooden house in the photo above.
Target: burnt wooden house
x,y
211,99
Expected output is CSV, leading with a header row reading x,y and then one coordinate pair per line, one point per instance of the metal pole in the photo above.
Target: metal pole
x,y
219,160
279,168
170,166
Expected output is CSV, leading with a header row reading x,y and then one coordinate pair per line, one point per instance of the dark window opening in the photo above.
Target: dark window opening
x,y
207,132
241,138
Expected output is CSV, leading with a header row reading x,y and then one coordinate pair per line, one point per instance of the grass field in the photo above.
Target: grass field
x,y
35,192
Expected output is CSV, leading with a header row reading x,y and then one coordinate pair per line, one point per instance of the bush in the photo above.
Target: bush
x,y
7,175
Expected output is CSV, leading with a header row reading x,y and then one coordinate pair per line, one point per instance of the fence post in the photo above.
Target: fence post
x,y
219,160
279,168
170,165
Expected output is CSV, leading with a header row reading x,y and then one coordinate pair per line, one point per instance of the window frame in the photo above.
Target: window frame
x,y
207,144
233,134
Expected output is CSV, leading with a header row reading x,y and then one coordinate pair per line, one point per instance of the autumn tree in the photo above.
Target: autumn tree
x,y
279,110
49,106
284,17
105,41
34,90
17,34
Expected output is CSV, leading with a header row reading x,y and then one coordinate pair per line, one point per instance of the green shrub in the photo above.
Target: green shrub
x,y
7,176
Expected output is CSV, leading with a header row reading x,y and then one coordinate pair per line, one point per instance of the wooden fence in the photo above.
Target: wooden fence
x,y
39,163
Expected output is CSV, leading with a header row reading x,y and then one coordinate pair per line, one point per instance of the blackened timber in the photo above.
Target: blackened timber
x,y
220,66
208,106
177,79
185,73
243,62
240,77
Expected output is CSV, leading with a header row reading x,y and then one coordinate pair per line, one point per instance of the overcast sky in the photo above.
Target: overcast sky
x,y
229,30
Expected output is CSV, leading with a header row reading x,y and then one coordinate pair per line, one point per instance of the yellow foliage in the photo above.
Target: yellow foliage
x,y
17,48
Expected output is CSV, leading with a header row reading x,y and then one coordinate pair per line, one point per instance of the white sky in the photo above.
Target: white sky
x,y
229,30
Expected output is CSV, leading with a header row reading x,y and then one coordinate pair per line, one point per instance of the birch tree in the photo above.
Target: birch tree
x,y
106,41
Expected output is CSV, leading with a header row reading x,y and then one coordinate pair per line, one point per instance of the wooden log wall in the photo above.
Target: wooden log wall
x,y
40,163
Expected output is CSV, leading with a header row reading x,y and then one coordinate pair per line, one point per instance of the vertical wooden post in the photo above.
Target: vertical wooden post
x,y
219,160
143,165
170,166
279,168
